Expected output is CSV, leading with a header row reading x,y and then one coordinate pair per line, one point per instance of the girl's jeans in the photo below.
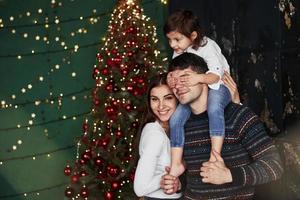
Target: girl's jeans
x,y
216,103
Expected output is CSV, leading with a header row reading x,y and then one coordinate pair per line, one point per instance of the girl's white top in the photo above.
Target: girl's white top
x,y
212,55
155,155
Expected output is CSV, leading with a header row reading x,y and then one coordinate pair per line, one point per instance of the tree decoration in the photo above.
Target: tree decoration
x,y
105,163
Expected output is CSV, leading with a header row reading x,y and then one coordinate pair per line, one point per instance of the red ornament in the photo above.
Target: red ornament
x,y
95,91
108,195
131,30
96,101
115,185
124,71
83,173
86,155
105,71
68,170
129,88
114,62
136,92
128,107
96,72
119,134
118,59
75,178
104,142
98,56
140,80
98,161
81,161
110,110
129,53
115,103
109,87
84,192
69,192
113,170
114,51
134,124
85,127
85,139
110,62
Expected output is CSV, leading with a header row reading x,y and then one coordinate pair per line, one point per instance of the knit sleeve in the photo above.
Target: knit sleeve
x,y
146,179
266,165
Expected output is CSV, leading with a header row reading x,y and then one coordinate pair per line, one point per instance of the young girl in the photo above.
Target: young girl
x,y
154,143
184,34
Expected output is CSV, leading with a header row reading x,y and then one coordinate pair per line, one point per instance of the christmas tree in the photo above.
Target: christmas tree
x,y
105,161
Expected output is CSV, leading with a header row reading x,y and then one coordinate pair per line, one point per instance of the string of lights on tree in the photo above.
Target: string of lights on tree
x,y
105,160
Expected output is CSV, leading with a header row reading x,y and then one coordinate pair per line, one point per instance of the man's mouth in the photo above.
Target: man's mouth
x,y
181,93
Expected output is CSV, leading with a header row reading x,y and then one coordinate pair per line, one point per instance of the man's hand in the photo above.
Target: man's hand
x,y
170,184
215,172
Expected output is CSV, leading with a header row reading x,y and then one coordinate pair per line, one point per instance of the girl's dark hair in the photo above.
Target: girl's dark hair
x,y
185,22
148,115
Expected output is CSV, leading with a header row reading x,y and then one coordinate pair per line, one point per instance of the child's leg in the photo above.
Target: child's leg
x,y
217,101
177,121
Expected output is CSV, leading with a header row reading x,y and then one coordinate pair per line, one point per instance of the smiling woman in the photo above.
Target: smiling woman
x,y
154,144
163,103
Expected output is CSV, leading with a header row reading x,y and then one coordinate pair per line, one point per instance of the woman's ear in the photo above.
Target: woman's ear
x,y
194,35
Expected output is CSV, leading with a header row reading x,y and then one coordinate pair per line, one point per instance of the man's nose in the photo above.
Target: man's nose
x,y
178,84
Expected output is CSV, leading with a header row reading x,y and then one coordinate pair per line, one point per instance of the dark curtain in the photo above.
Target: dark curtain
x,y
262,51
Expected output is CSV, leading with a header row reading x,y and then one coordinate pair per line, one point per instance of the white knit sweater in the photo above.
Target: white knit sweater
x,y
154,150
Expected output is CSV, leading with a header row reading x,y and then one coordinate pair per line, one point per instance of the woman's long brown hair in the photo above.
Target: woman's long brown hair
x,y
148,115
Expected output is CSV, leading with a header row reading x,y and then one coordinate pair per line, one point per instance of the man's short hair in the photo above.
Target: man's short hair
x,y
186,60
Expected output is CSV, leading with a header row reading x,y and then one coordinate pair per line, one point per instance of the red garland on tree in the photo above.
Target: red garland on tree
x,y
105,163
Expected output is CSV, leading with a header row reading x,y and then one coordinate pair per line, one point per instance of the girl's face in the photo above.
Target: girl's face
x,y
179,42
162,102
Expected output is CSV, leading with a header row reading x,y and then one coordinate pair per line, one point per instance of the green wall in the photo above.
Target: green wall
x,y
33,155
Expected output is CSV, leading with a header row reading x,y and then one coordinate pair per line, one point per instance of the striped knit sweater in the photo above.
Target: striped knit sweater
x,y
247,151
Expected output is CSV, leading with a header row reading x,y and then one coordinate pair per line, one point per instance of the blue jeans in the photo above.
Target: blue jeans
x,y
216,103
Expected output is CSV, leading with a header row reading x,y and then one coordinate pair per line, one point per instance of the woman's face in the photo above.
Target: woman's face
x,y
162,102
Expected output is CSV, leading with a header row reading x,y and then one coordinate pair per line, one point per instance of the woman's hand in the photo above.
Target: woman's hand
x,y
231,85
